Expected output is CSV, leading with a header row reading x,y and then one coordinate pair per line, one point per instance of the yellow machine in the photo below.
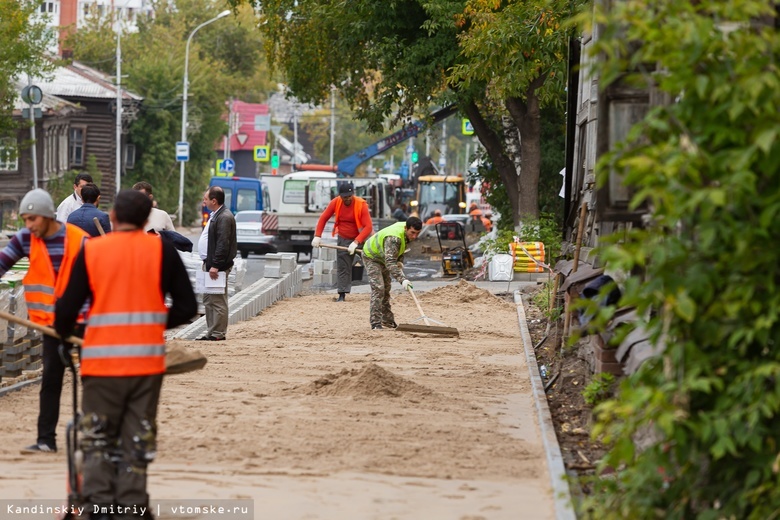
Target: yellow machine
x,y
455,256
445,193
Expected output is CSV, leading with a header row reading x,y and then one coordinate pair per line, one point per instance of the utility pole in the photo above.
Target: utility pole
x,y
32,136
295,135
118,102
230,129
443,149
332,121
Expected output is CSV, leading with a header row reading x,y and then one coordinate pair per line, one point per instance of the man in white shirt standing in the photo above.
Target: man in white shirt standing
x,y
73,201
159,220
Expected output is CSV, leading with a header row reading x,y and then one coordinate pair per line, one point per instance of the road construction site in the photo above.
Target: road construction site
x,y
305,413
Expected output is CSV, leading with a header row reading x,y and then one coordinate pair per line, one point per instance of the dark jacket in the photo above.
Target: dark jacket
x,y
82,217
222,240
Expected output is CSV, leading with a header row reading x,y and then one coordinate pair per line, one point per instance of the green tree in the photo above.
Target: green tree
x,y
225,59
23,43
708,166
392,59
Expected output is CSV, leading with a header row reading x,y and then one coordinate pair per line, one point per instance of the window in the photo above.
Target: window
x,y
9,155
76,146
129,156
247,199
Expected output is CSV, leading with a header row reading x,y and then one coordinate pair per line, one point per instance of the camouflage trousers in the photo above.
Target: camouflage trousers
x,y
379,280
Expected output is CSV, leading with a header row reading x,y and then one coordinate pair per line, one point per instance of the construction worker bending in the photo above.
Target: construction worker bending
x,y
352,226
127,274
383,255
52,247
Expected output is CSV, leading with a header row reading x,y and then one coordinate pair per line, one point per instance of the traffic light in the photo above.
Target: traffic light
x,y
274,159
415,157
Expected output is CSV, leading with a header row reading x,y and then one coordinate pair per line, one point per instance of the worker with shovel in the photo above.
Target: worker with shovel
x,y
352,226
52,247
127,274
383,255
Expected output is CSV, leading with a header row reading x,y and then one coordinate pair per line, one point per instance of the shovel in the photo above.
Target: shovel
x,y
177,359
427,328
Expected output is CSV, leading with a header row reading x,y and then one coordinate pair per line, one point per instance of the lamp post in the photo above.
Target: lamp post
x,y
184,108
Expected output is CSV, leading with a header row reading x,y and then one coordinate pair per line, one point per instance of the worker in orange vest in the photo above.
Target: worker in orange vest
x,y
474,210
435,219
127,275
52,247
352,227
486,221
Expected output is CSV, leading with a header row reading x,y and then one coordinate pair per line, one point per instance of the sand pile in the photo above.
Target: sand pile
x,y
369,381
462,292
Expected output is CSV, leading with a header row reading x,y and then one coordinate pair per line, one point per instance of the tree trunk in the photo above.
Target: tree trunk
x,y
495,149
527,117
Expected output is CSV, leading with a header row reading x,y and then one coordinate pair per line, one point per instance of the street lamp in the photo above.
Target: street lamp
x,y
184,108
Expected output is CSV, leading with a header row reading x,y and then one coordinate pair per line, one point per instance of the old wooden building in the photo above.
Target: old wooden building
x,y
76,119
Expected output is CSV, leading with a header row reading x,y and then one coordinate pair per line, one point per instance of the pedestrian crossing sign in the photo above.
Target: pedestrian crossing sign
x,y
466,127
262,153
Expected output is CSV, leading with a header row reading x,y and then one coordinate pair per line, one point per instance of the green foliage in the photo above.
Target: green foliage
x,y
225,59
23,42
708,164
542,300
599,388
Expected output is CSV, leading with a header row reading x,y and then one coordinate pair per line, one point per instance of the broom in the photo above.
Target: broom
x,y
427,328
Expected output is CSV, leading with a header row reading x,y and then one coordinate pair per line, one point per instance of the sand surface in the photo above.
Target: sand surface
x,y
305,413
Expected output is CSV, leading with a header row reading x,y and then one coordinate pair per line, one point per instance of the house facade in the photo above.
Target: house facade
x,y
75,119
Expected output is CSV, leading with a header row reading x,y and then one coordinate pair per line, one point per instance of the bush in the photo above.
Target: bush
x,y
599,388
708,166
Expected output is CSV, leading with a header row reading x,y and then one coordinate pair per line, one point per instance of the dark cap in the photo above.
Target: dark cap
x,y
346,188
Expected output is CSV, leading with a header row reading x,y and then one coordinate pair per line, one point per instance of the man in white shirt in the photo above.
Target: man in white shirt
x,y
73,201
159,220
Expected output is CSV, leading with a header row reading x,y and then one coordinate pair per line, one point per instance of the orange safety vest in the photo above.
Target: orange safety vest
x,y
358,204
433,221
125,330
41,286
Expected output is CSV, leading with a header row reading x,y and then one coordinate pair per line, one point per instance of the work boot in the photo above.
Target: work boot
x,y
39,447
390,325
341,297
376,326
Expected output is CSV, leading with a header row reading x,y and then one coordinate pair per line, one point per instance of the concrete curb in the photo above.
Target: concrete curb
x,y
251,301
564,509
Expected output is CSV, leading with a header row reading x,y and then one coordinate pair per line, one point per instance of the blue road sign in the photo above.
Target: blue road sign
x,y
182,151
228,165
262,153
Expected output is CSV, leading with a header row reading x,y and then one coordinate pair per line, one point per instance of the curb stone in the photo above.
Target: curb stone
x,y
561,493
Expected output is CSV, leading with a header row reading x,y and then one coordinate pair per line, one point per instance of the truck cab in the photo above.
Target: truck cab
x,y
306,194
241,193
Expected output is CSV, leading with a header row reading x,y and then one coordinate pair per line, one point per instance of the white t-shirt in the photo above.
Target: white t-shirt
x,y
71,203
159,220
203,241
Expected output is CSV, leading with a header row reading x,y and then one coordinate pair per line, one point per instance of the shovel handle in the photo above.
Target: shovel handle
x,y
41,328
99,226
340,248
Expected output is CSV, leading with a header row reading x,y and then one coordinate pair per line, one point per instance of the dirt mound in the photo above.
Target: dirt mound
x,y
462,292
369,381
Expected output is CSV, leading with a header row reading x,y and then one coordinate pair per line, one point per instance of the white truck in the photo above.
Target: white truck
x,y
305,195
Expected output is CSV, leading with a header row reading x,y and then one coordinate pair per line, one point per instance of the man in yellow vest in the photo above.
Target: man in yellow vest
x,y
383,254
52,247
127,274
352,227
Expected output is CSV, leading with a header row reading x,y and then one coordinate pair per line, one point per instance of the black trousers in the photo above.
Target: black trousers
x,y
51,388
